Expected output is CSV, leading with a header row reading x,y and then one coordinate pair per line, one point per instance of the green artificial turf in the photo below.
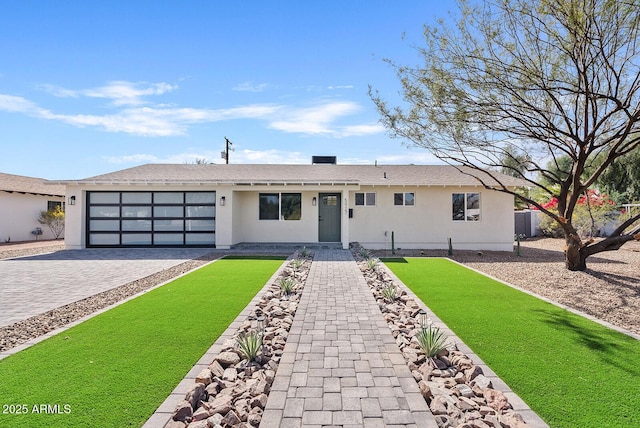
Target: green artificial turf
x,y
571,371
115,369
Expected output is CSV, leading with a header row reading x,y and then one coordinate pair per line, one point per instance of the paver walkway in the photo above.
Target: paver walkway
x,y
341,365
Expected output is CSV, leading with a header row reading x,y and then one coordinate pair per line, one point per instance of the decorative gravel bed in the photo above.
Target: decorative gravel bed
x,y
458,393
608,290
233,390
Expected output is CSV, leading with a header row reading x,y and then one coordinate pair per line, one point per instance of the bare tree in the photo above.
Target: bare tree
x,y
552,78
199,161
54,220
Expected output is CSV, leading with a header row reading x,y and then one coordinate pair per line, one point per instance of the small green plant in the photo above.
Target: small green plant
x,y
304,252
390,292
287,284
371,263
432,341
364,253
297,263
250,344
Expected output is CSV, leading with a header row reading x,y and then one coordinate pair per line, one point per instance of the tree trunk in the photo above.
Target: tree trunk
x,y
575,259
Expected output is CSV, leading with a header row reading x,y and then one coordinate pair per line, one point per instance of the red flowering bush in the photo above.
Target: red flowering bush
x,y
593,211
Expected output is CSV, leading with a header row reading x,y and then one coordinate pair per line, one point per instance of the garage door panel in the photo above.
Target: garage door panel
x,y
151,219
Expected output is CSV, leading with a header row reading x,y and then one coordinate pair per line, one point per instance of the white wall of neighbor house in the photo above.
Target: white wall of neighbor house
x,y
428,224
19,216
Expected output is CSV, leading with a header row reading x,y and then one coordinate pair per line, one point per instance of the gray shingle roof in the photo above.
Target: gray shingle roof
x,y
386,175
32,185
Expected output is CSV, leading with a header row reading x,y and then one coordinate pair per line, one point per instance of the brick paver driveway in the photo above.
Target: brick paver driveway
x,y
32,285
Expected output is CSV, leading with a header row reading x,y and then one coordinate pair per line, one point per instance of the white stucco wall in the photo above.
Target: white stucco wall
x,y
249,228
75,219
428,224
19,216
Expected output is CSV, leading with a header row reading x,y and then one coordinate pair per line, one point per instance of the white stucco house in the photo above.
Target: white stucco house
x,y
225,205
21,201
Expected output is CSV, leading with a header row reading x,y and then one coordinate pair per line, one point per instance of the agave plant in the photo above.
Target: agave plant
x,y
389,292
297,263
304,252
287,284
364,253
432,341
371,263
250,344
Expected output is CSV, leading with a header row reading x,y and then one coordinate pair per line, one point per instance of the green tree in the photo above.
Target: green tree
x,y
622,179
54,220
556,78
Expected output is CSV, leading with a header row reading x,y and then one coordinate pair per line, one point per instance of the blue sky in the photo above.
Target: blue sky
x,y
93,87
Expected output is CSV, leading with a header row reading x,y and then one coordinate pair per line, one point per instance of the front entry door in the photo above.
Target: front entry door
x,y
329,217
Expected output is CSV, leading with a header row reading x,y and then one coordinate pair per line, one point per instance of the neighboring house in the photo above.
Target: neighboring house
x,y
422,206
21,201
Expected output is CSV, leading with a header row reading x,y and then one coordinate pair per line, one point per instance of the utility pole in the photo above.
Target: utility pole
x,y
225,154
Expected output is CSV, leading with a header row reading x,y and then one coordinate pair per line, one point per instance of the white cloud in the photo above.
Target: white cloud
x,y
177,158
132,159
131,116
357,130
143,121
316,119
120,92
15,104
319,120
410,157
270,156
250,87
340,87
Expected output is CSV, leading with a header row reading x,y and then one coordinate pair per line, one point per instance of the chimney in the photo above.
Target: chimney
x,y
330,160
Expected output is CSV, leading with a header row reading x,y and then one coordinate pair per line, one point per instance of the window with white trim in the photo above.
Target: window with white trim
x,y
367,199
465,206
280,206
406,199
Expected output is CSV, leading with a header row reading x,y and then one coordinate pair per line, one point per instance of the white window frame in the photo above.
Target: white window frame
x,y
469,213
404,199
365,199
280,214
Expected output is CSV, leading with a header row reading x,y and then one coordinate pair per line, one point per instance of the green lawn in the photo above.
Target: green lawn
x,y
571,371
115,369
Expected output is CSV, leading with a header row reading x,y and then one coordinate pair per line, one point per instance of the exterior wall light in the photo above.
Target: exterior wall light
x,y
223,199
72,200
314,201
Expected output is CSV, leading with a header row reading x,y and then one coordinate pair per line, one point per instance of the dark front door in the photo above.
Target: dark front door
x,y
329,217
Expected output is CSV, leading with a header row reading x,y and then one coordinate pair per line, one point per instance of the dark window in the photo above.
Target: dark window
x,y
366,199
51,205
269,206
285,206
291,206
466,206
406,199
